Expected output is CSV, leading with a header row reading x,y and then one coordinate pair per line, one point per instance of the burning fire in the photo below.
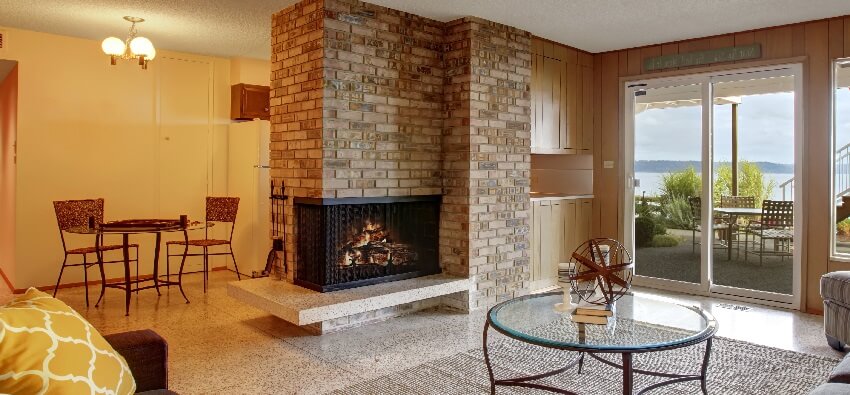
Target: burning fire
x,y
372,245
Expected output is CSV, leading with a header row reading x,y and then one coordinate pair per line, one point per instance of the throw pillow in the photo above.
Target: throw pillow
x,y
47,347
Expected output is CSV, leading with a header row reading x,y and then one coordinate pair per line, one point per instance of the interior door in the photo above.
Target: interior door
x,y
184,142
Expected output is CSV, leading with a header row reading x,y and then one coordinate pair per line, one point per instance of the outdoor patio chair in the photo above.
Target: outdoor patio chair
x,y
777,224
737,202
74,213
696,224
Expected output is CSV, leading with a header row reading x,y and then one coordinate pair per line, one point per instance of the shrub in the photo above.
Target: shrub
x,y
677,213
750,182
843,227
644,231
665,241
685,183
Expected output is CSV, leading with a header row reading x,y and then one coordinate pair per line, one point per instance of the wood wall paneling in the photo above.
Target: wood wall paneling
x,y
815,185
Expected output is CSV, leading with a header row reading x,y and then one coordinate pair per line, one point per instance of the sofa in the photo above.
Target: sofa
x,y
146,353
838,382
835,291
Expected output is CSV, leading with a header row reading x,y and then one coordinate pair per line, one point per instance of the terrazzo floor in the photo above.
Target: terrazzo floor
x,y
219,345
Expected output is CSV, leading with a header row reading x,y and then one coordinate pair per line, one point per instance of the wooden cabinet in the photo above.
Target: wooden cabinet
x,y
557,228
249,102
561,99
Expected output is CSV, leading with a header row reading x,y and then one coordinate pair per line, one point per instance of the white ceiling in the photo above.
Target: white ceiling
x,y
242,27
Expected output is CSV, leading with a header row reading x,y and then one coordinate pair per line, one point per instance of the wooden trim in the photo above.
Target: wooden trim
x,y
712,69
814,311
557,43
737,42
81,283
7,281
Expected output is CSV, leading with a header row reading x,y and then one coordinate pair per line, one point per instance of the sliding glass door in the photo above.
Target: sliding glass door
x,y
711,161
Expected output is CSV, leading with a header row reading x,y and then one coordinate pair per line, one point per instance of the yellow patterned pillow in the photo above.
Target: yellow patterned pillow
x,y
47,347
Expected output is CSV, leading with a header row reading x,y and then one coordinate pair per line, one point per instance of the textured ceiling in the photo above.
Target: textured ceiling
x,y
241,27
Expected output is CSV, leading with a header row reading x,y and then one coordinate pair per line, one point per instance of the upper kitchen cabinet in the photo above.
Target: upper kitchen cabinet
x,y
561,99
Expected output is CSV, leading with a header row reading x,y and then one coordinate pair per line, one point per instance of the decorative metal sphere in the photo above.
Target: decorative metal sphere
x,y
601,271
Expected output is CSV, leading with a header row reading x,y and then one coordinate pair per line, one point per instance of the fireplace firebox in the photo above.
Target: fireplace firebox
x,y
352,242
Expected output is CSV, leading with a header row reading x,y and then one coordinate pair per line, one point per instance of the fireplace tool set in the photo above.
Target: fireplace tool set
x,y
276,266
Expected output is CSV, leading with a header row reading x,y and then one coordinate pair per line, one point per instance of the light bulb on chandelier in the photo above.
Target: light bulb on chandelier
x,y
134,47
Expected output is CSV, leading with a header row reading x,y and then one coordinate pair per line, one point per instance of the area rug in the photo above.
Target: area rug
x,y
735,368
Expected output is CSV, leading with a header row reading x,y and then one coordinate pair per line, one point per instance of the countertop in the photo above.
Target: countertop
x,y
540,196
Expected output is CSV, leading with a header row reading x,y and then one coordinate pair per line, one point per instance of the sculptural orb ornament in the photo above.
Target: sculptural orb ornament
x,y
602,271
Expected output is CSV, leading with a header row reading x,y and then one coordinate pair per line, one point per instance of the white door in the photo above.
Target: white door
x,y
687,138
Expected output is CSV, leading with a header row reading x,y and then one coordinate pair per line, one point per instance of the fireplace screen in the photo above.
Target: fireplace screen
x,y
344,243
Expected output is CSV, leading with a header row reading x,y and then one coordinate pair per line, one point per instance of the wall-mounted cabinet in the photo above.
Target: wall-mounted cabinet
x,y
561,99
249,102
557,228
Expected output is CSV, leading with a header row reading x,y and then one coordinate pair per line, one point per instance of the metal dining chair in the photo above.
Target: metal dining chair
x,y
777,224
737,202
74,213
695,204
220,210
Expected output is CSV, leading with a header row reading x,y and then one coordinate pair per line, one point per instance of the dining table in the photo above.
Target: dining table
x,y
733,213
127,228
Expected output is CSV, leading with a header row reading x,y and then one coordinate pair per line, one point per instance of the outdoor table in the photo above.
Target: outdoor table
x,y
734,213
125,228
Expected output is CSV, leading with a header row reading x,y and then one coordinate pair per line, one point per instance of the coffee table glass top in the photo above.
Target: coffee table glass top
x,y
640,323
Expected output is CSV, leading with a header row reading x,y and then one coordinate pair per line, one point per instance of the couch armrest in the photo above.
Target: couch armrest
x,y
146,353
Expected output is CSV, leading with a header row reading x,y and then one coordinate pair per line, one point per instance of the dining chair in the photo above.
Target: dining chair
x,y
737,202
218,210
777,224
75,213
695,204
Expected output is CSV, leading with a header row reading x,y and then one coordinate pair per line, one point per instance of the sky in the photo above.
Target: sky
x,y
765,131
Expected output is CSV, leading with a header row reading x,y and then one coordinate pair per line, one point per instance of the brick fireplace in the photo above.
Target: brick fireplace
x,y
370,102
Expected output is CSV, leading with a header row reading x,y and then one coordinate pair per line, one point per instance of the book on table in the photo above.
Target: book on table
x,y
599,310
589,319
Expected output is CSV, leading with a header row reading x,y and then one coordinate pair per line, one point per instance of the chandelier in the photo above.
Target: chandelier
x,y
134,47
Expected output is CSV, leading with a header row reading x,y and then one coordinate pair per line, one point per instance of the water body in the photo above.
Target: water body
x,y
650,183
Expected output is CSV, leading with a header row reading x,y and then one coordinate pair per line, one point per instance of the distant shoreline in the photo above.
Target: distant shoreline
x,y
669,166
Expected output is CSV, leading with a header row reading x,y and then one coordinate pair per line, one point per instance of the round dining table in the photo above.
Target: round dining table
x,y
125,228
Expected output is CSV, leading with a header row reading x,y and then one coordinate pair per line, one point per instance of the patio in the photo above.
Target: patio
x,y
682,264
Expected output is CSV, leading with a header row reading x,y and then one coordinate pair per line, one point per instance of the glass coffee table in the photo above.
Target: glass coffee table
x,y
641,324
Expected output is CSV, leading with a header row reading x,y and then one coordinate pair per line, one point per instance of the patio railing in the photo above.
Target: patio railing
x,y
841,176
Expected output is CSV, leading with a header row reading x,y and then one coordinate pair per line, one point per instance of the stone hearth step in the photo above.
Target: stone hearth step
x,y
331,311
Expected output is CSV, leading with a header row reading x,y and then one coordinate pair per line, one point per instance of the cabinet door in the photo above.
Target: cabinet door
x,y
536,92
558,232
255,101
573,95
534,224
545,273
584,212
587,108
570,234
551,102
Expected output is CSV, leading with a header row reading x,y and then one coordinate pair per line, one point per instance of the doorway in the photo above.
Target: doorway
x,y
711,162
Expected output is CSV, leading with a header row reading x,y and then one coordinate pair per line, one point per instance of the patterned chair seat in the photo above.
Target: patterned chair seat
x,y
201,242
778,233
92,250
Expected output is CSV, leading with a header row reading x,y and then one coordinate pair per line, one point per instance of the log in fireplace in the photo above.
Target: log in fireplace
x,y
351,242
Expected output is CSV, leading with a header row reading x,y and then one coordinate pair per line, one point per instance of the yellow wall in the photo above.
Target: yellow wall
x,y
88,129
8,126
250,71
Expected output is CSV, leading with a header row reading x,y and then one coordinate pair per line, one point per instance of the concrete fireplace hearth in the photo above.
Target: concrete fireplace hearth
x,y
371,103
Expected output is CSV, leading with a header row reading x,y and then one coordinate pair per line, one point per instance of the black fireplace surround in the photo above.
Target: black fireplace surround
x,y
351,242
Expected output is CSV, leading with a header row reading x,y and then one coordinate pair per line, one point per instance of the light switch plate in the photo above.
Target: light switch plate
x,y
608,164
